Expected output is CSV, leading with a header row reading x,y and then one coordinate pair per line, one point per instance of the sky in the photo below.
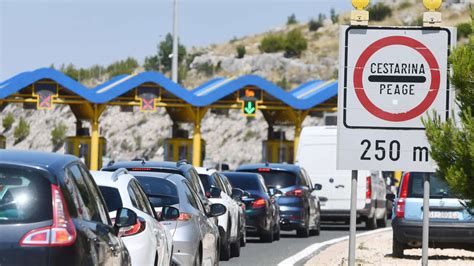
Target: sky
x,y
38,33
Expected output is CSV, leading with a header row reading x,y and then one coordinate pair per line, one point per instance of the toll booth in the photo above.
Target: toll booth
x,y
277,149
3,142
80,146
179,148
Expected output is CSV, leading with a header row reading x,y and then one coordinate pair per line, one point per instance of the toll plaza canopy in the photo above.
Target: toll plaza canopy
x,y
46,87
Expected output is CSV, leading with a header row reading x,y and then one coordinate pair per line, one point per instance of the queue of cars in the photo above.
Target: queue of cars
x,y
54,211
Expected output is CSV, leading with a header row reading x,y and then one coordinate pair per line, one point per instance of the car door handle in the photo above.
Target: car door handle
x,y
340,186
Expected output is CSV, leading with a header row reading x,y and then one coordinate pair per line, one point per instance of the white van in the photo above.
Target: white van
x,y
317,154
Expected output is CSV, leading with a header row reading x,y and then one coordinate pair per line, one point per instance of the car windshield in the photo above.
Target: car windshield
x,y
277,178
161,192
438,187
244,183
25,196
112,198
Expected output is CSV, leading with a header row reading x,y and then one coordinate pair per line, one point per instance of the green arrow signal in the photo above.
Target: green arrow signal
x,y
249,108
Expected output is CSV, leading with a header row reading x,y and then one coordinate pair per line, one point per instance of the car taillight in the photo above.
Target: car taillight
x,y
368,190
61,233
184,216
134,229
295,193
400,211
258,203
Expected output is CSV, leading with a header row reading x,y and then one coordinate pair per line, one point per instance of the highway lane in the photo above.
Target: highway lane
x,y
258,253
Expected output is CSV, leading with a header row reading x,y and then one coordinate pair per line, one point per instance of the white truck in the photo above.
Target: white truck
x,y
317,151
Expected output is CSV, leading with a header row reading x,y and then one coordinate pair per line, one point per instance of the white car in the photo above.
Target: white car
x,y
148,241
229,222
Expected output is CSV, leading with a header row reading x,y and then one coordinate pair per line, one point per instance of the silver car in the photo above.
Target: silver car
x,y
195,235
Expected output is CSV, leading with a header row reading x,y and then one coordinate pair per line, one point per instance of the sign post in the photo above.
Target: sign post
x,y
390,78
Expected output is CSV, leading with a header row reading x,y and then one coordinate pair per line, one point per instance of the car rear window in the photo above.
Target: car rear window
x,y
438,187
205,179
161,192
112,198
277,178
244,183
25,196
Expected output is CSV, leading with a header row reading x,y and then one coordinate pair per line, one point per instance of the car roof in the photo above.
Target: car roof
x,y
107,178
148,164
273,166
243,175
46,160
205,171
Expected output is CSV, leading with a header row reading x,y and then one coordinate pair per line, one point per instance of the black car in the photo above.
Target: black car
x,y
181,168
261,210
299,206
52,213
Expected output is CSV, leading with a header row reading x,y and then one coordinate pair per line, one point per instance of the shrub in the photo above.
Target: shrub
x,y
334,16
8,121
296,43
291,20
417,22
405,4
22,130
314,25
58,135
241,51
272,43
379,11
464,29
206,68
283,83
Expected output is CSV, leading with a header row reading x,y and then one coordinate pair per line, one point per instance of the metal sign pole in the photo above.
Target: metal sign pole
x,y
353,221
426,218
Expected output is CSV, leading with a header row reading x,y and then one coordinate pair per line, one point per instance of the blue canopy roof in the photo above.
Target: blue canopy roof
x,y
306,96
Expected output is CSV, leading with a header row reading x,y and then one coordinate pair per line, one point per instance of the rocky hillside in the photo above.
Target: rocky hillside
x,y
230,138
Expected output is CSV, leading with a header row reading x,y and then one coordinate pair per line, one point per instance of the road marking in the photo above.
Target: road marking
x,y
317,246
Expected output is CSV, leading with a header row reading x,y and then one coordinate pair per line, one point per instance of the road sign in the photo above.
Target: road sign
x,y
390,78
250,108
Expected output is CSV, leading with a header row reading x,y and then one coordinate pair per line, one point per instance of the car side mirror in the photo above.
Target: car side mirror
x,y
390,197
246,194
317,187
215,192
169,213
125,218
237,194
217,209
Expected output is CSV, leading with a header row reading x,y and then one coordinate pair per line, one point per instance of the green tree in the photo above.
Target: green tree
x,y
334,16
296,43
241,51
379,11
165,49
8,121
152,63
22,130
314,25
273,43
58,135
71,71
122,67
452,142
291,20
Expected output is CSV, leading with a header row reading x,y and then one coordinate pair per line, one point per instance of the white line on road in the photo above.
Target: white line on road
x,y
317,246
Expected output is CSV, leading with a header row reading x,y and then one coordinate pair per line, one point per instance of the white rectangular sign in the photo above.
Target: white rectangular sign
x,y
389,79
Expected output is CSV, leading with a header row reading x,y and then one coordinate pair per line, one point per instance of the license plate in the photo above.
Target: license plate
x,y
444,215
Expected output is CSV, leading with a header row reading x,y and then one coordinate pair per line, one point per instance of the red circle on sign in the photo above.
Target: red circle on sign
x,y
420,108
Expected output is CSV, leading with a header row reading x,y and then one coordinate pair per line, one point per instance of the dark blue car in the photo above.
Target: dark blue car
x,y
261,210
299,206
52,213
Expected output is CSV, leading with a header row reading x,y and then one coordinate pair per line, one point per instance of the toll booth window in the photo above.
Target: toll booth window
x,y
183,152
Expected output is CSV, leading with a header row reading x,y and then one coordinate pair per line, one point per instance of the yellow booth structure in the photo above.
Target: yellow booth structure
x,y
80,146
3,142
181,149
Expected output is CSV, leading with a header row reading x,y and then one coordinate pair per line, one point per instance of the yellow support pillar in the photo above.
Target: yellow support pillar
x,y
299,118
97,111
197,138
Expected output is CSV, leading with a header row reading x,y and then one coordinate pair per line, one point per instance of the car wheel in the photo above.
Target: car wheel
x,y
276,234
317,231
371,223
267,237
225,249
235,249
304,232
243,239
382,223
197,258
397,248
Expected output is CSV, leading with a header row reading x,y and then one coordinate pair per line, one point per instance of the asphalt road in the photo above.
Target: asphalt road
x,y
258,253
